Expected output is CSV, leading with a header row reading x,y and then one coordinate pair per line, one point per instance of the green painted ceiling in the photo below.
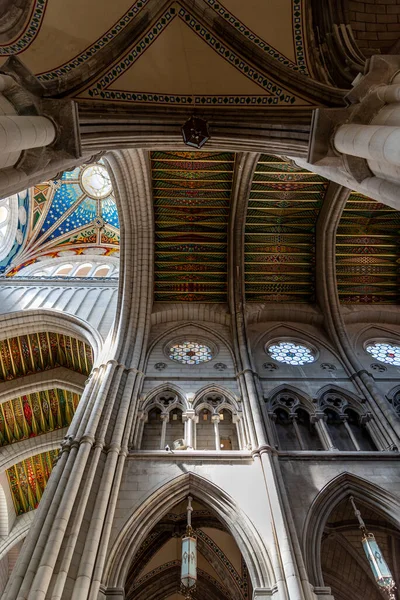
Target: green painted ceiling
x,y
280,232
368,252
191,194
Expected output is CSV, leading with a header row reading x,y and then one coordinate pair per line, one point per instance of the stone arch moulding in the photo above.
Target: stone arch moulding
x,y
156,505
335,389
270,334
214,388
174,333
33,321
150,397
304,398
328,498
387,334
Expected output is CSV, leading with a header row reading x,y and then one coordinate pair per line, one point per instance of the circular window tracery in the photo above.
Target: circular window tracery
x,y
291,353
96,181
190,353
385,352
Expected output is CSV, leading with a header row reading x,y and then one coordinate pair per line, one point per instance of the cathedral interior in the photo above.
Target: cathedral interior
x,y
199,299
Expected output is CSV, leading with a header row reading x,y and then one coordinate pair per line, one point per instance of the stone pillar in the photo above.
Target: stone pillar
x,y
165,420
322,430
216,419
39,137
188,418
61,557
359,146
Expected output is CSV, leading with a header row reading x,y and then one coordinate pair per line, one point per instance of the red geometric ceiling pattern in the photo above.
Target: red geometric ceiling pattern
x,y
368,252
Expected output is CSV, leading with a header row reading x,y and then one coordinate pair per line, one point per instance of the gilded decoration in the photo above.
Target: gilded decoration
x,y
191,194
28,480
33,414
35,352
74,215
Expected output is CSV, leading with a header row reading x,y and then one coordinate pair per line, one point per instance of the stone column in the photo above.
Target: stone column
x,y
188,418
351,434
359,146
164,420
39,137
286,555
215,420
61,558
323,433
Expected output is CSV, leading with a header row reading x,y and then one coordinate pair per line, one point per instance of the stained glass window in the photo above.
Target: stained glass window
x,y
385,352
291,353
96,181
190,353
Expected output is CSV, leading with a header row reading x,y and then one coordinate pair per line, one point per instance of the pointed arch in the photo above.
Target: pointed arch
x,y
174,331
157,504
215,388
287,387
344,485
165,387
298,334
33,321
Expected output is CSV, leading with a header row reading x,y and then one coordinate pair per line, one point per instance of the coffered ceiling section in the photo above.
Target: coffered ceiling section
x,y
168,52
282,212
368,252
191,193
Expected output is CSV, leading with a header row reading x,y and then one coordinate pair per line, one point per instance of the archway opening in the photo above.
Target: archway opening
x,y
345,568
154,573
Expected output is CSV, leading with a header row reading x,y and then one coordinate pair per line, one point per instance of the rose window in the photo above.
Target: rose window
x,y
96,181
291,353
190,353
385,352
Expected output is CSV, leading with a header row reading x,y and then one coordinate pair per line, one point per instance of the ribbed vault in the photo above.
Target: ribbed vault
x,y
155,569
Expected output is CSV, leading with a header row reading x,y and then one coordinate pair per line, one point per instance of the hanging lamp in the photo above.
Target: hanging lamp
x,y
379,567
189,556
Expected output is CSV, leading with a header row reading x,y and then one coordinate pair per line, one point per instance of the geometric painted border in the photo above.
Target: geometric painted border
x,y
30,32
99,90
100,43
300,64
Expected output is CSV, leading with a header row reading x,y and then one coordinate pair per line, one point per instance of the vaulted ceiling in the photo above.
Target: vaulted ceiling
x,y
30,415
155,570
65,218
28,479
36,352
368,252
282,212
191,194
252,53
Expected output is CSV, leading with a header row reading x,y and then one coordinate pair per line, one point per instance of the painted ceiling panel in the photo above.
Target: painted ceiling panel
x,y
35,352
28,479
368,252
280,232
33,414
65,217
191,194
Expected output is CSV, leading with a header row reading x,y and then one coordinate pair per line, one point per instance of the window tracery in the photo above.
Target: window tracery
x,y
291,353
190,353
385,352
